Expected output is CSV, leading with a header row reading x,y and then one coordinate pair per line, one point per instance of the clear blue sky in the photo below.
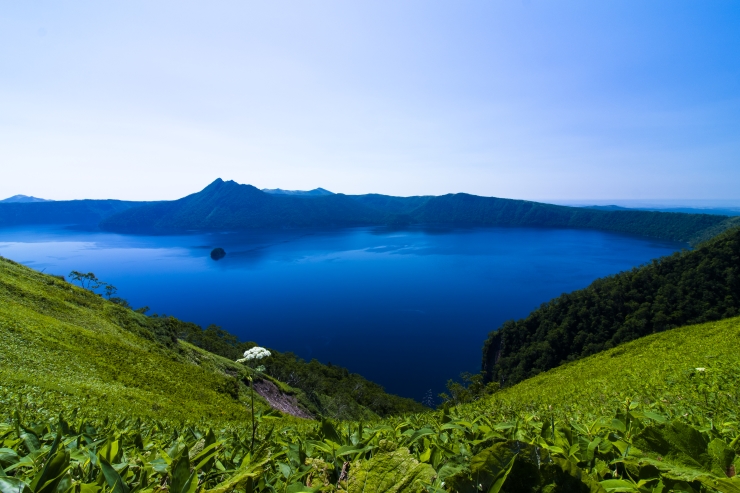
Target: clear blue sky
x,y
522,99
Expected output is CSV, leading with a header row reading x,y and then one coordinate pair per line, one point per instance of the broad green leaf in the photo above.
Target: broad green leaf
x,y
676,443
301,488
330,432
112,478
390,472
618,424
48,478
498,483
89,488
182,478
285,469
420,433
721,456
31,441
8,457
618,486
655,417
111,452
577,473
13,485
237,481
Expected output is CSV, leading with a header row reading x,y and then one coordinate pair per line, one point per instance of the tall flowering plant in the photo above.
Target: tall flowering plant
x,y
251,358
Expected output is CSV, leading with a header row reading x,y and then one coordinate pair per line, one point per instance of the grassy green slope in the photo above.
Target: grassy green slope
x,y
687,287
58,337
658,371
655,415
71,348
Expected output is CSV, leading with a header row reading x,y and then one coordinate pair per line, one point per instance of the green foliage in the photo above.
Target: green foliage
x,y
687,287
80,378
658,414
66,347
333,391
390,471
327,390
30,299
472,388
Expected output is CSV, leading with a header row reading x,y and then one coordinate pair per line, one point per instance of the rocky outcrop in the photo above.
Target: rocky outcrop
x,y
279,400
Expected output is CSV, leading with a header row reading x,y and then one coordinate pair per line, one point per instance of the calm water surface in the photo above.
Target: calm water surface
x,y
408,309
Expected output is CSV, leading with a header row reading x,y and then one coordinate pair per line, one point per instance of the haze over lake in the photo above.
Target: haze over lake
x,y
405,308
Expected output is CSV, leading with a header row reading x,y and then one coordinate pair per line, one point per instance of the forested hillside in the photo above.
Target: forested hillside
x,y
687,287
656,415
83,212
328,390
102,352
471,210
228,206
95,397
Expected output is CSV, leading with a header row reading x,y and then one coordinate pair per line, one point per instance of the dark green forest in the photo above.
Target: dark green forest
x,y
319,382
687,287
470,210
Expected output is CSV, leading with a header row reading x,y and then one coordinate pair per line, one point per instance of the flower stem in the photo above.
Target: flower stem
x,y
254,427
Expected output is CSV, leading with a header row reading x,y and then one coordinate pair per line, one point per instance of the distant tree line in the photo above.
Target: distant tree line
x,y
329,388
685,288
90,282
339,384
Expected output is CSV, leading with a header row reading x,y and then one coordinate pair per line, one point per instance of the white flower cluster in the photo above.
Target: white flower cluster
x,y
256,353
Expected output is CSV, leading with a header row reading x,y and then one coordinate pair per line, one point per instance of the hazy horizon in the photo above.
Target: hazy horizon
x,y
567,101
629,203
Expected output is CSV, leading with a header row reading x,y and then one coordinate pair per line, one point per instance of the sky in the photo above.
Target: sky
x,y
538,100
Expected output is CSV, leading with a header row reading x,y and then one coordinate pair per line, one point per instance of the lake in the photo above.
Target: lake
x,y
408,309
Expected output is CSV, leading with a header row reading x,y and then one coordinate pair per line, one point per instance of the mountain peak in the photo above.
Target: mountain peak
x,y
219,185
23,199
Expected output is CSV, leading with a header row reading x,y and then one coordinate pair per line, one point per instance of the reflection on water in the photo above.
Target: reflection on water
x,y
406,308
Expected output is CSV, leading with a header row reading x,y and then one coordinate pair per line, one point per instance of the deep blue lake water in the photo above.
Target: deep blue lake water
x,y
407,309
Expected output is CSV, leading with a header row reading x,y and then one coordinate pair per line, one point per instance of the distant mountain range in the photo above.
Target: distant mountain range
x,y
79,212
229,206
316,192
717,211
22,199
